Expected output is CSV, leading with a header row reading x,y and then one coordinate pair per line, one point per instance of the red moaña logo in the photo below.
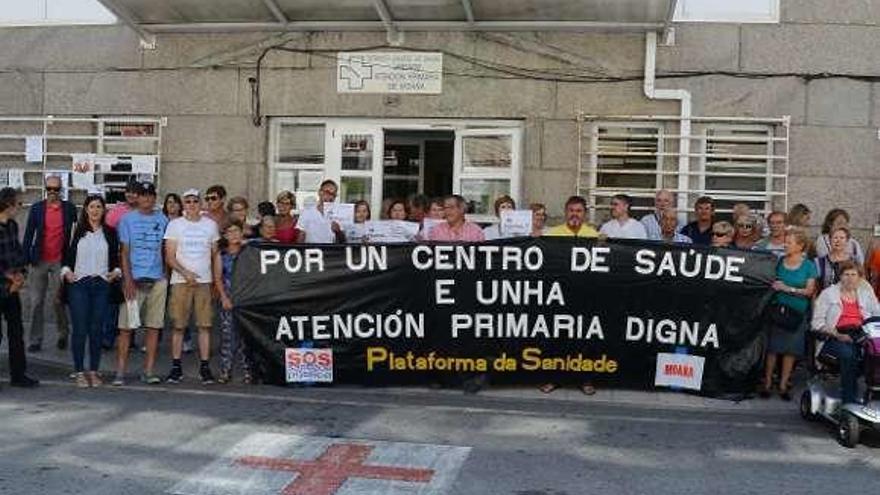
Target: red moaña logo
x,y
682,370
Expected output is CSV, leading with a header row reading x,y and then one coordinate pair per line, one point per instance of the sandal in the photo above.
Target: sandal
x,y
588,389
548,388
764,392
95,379
81,380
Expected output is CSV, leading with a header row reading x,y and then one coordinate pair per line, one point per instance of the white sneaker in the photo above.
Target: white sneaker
x,y
119,380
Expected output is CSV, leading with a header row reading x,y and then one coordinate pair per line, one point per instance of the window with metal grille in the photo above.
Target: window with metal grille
x,y
626,157
734,160
738,166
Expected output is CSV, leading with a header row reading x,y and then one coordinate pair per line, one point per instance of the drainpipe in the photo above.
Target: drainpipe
x,y
684,96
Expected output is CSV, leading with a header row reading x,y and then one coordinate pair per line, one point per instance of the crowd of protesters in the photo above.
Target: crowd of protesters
x,y
137,268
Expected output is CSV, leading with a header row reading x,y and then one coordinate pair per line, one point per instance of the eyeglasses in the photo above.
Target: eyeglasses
x,y
720,234
212,198
52,189
190,201
745,225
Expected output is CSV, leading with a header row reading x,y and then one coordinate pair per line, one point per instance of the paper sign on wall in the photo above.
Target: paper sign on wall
x,y
33,149
16,179
143,164
83,171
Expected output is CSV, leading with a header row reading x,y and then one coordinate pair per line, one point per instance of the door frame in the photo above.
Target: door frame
x,y
378,126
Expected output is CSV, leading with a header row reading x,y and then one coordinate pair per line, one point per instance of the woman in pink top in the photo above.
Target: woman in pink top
x,y
117,211
840,309
285,223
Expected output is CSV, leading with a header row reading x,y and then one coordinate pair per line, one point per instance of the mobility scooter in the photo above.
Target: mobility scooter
x,y
821,399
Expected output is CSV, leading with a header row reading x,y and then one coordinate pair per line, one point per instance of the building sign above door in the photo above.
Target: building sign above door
x,y
389,72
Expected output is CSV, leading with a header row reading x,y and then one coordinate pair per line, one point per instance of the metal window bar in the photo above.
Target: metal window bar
x,y
738,159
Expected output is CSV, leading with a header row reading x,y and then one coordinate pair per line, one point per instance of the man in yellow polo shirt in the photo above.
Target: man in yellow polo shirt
x,y
575,220
575,226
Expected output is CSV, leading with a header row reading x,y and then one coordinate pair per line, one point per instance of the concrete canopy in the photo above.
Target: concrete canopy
x,y
155,16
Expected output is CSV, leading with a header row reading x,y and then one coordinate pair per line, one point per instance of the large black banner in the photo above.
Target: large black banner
x,y
615,313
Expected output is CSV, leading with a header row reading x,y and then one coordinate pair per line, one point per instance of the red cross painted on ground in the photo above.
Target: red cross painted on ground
x,y
326,474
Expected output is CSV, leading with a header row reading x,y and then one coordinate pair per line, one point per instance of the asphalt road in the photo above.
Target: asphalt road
x,y
138,440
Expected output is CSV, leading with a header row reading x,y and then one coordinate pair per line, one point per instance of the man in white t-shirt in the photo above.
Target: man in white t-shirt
x,y
191,253
318,229
621,225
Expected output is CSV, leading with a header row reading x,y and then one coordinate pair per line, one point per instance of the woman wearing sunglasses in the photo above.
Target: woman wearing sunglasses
x,y
722,234
745,234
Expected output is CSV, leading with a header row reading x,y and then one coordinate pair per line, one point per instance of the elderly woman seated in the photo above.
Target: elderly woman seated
x,y
839,308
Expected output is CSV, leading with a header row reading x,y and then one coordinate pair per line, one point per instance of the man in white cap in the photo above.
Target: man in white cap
x,y
192,254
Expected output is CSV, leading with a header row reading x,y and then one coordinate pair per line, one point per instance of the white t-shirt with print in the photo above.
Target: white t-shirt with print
x,y
195,241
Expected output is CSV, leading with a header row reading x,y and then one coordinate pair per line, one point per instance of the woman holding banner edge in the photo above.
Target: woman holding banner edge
x,y
795,285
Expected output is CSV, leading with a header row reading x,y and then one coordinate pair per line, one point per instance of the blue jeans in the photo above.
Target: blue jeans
x,y
111,321
89,299
848,357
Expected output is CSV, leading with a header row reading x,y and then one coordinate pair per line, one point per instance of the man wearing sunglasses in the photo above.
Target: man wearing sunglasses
x,y
215,204
47,232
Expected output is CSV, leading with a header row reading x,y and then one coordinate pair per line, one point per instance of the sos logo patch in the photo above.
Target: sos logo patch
x,y
308,365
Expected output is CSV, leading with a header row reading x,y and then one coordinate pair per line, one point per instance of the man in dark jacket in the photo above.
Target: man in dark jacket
x,y
49,225
11,280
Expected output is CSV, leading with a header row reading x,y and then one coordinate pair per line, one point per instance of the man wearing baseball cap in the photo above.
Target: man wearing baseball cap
x,y
112,218
144,285
192,254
